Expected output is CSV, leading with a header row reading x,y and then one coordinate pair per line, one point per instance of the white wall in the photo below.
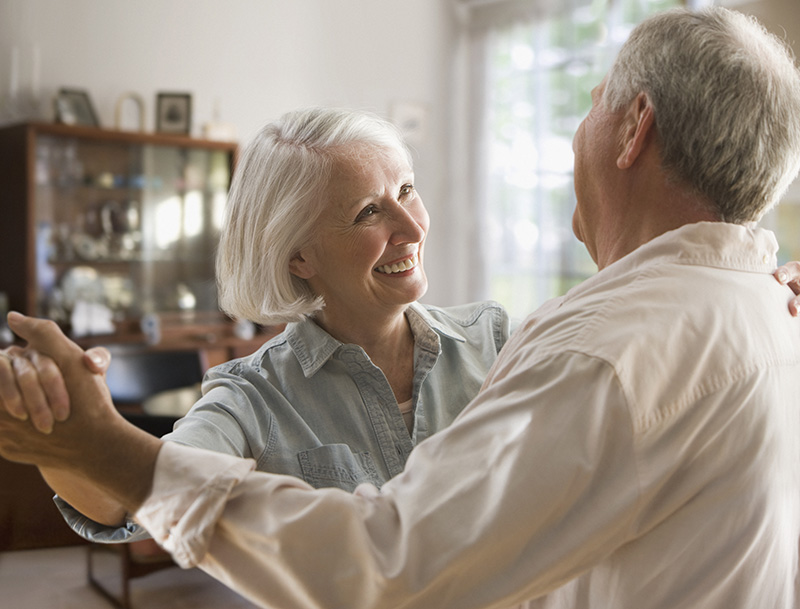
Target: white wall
x,y
259,58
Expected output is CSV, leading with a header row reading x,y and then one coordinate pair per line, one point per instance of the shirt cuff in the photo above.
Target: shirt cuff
x,y
190,489
96,532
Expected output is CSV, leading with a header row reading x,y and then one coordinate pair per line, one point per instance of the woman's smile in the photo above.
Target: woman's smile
x,y
401,266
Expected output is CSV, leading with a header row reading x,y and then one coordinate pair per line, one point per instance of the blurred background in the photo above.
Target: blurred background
x,y
489,93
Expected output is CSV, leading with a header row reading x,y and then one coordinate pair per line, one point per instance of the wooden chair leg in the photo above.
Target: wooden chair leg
x,y
136,559
123,600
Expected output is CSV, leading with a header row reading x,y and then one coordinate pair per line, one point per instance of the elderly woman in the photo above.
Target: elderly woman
x,y
326,232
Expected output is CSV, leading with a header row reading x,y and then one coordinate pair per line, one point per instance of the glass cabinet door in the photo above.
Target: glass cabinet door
x,y
125,229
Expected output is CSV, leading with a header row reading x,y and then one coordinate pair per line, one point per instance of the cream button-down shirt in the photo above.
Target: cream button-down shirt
x,y
635,446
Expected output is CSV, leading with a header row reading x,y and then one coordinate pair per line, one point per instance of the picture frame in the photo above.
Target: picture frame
x,y
174,113
74,107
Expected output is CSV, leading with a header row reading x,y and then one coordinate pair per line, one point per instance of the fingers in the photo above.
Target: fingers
x,y
789,275
31,383
97,360
88,392
52,383
9,392
23,395
72,444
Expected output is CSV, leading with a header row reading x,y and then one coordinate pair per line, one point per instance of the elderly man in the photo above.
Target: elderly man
x,y
635,444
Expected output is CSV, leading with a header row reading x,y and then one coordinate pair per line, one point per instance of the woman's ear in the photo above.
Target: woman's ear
x,y
300,267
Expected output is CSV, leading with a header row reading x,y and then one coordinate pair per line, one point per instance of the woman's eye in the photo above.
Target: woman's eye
x,y
406,189
369,210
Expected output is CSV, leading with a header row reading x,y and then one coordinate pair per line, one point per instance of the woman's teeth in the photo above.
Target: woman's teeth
x,y
398,267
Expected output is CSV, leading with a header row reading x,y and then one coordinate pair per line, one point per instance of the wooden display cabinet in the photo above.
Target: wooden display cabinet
x,y
104,228
109,232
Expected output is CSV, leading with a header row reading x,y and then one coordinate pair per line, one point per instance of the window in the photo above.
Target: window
x,y
539,75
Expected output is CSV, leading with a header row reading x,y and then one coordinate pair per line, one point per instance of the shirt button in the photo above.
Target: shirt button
x,y
765,258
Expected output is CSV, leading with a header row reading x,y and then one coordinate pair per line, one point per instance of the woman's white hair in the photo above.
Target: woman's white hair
x,y
275,199
726,95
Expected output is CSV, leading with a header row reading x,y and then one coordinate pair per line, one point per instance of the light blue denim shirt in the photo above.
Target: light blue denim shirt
x,y
308,406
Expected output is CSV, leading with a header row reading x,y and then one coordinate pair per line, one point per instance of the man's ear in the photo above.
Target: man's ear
x,y
299,266
637,126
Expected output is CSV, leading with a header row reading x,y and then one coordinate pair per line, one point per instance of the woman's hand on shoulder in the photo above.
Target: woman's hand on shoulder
x,y
789,274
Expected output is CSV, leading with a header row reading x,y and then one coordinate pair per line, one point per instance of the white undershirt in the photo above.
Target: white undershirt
x,y
407,410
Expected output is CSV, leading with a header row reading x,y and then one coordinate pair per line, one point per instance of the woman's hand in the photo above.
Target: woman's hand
x,y
32,386
789,274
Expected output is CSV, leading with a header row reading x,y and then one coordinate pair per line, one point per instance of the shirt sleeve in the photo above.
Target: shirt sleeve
x,y
491,511
232,417
96,532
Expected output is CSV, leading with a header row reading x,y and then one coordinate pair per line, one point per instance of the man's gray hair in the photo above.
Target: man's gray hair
x,y
275,200
726,96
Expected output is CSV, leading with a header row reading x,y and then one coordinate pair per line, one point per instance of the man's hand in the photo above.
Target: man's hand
x,y
95,442
789,274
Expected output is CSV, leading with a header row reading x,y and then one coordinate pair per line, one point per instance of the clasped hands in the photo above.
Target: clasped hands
x,y
40,385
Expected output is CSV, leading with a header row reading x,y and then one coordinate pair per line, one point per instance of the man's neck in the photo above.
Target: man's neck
x,y
649,215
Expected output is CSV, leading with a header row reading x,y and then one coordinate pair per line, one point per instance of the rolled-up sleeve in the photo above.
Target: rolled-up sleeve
x,y
190,489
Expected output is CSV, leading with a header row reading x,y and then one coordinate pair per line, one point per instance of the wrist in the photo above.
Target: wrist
x,y
127,466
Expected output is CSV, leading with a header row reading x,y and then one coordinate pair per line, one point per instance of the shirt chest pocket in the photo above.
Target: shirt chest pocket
x,y
338,466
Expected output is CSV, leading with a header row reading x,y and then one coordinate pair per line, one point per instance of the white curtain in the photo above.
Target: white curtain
x,y
462,232
470,231
466,231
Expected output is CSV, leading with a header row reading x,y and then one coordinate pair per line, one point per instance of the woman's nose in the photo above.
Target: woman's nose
x,y
408,225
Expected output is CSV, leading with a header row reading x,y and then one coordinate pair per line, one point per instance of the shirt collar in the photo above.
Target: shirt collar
x,y
313,346
713,244
434,324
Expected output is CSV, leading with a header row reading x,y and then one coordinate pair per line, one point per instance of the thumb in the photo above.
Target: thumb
x,y
97,360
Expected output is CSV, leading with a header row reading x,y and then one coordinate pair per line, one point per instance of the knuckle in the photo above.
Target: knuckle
x,y
49,373
26,375
49,325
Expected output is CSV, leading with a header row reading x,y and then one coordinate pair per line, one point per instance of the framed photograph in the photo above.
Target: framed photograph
x,y
74,107
174,113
